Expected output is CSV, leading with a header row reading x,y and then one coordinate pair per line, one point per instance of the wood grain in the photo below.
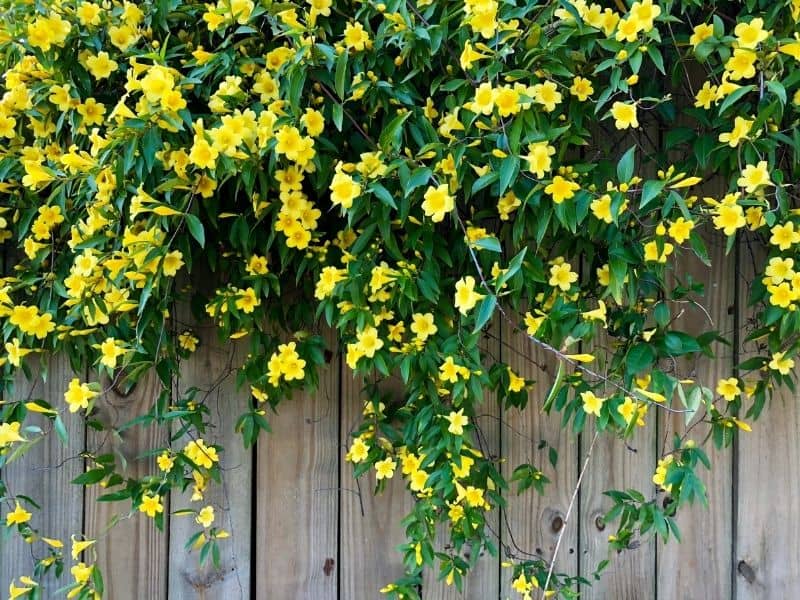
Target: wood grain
x,y
212,369
535,521
767,530
370,529
133,553
297,501
681,565
44,473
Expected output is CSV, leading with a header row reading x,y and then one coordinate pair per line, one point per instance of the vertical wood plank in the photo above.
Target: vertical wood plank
x,y
767,504
482,582
616,464
297,505
701,562
212,369
133,553
44,473
370,529
535,521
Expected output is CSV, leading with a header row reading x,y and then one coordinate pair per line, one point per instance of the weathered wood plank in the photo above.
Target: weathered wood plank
x,y
133,553
698,563
370,529
535,521
483,581
212,369
44,474
767,529
616,464
298,493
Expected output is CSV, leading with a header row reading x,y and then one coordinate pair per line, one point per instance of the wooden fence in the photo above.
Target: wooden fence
x,y
303,528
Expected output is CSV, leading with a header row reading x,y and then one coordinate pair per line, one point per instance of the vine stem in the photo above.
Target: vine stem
x,y
569,513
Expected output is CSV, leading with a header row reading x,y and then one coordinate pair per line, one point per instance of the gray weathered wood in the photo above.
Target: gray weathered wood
x,y
212,369
297,499
44,473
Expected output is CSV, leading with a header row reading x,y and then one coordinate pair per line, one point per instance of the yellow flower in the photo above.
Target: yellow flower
x,y
384,469
562,276
355,37
81,572
601,208
457,422
205,516
344,190
779,269
101,66
651,251
699,33
547,94
628,409
680,230
754,176
741,65
750,35
469,55
466,297
561,189
591,403
781,364
188,341
728,388
247,301
110,350
581,88
369,342
17,516
515,382
729,218
741,127
438,202
151,505
359,450
598,314
78,395
706,95
79,546
9,433
165,462
539,161
784,236
624,115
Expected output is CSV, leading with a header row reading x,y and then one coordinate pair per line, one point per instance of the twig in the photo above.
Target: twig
x,y
569,513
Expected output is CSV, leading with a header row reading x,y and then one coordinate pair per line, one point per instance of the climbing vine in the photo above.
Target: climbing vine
x,y
404,172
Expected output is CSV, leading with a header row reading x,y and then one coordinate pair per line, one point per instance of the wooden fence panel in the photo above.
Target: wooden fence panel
x,y
370,529
767,530
682,565
536,521
133,553
212,369
44,474
297,501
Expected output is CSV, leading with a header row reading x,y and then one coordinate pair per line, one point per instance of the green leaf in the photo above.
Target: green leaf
x,y
625,165
485,311
777,88
341,74
650,192
392,133
735,96
508,171
195,227
383,195
488,243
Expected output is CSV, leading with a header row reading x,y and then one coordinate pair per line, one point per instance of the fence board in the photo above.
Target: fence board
x,y
297,501
133,554
767,531
212,370
680,566
482,582
370,529
44,474
535,521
